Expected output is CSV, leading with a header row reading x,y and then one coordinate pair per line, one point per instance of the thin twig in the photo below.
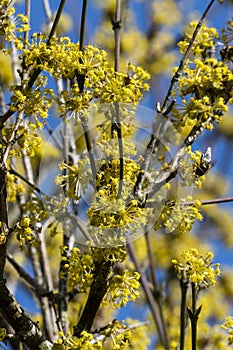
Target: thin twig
x,y
211,201
81,77
83,25
62,284
45,305
3,218
81,81
116,122
42,267
116,125
88,141
50,322
116,26
156,292
2,101
183,318
38,288
12,138
13,171
54,137
186,54
193,314
47,10
10,4
28,14
150,298
151,262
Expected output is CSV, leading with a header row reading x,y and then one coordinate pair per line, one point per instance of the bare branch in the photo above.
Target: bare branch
x,y
28,14
116,26
186,54
97,292
212,201
116,122
83,25
47,10
150,298
38,288
13,171
27,330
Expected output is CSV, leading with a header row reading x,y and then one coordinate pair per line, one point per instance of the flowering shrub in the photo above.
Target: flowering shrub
x,y
102,212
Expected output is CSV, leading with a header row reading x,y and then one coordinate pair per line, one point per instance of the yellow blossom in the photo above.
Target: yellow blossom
x,y
197,268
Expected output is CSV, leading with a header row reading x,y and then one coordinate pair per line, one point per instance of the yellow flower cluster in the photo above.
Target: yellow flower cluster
x,y
203,42
114,255
197,268
195,165
116,336
108,211
205,83
227,33
91,75
69,342
210,80
228,326
179,217
34,102
25,233
3,334
36,208
11,25
79,267
3,233
26,139
69,180
120,87
213,97
62,58
29,142
14,188
74,100
124,288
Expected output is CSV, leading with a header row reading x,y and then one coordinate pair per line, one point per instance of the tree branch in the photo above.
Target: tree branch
x,y
39,289
116,122
83,25
150,298
27,330
97,292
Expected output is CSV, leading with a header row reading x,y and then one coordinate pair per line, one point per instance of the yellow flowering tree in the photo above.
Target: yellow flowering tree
x,y
100,198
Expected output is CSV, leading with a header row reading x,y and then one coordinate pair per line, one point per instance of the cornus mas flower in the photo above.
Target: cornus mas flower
x,y
228,326
197,268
